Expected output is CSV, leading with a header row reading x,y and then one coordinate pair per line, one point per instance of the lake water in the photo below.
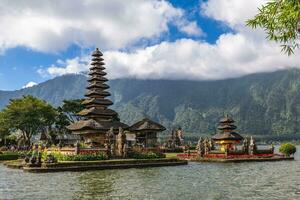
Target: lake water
x,y
260,180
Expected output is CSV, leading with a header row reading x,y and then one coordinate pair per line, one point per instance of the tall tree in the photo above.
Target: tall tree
x,y
67,114
281,21
4,130
29,115
70,108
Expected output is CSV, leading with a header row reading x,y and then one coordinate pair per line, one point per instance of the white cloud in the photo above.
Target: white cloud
x,y
235,54
70,66
29,84
190,28
233,12
56,24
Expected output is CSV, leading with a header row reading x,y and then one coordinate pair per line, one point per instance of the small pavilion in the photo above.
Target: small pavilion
x,y
227,138
146,132
98,119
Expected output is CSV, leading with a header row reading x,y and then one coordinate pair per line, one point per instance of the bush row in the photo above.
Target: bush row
x,y
9,156
86,157
146,155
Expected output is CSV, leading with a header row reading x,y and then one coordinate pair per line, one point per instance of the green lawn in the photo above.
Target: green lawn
x,y
171,155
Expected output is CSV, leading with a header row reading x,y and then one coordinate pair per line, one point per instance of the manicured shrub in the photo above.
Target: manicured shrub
x,y
86,157
9,156
287,149
144,155
173,150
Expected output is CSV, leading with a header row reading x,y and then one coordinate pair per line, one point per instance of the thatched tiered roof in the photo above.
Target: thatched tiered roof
x,y
147,125
97,115
227,136
226,128
91,124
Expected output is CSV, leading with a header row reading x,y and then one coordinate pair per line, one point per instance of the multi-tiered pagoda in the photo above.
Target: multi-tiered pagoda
x,y
227,137
97,117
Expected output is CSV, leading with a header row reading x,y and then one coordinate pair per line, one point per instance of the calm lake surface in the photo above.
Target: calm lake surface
x,y
259,180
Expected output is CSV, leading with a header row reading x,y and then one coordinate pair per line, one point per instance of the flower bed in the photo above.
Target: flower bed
x,y
187,156
223,156
241,156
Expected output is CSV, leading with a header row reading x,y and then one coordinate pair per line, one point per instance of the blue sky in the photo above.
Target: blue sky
x,y
178,39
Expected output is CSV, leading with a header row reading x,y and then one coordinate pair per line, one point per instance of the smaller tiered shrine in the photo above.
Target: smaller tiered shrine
x,y
227,138
229,145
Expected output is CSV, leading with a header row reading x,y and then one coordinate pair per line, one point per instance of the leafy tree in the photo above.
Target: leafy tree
x,y
287,149
61,122
30,115
70,108
67,114
4,130
281,21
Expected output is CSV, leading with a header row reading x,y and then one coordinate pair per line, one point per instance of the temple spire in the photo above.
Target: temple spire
x,y
96,102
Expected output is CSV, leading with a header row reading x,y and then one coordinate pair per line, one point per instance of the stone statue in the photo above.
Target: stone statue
x,y
109,142
77,147
125,150
121,140
35,152
206,146
245,145
200,147
180,136
252,146
211,145
173,140
272,148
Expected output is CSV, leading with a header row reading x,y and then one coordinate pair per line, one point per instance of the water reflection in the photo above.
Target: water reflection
x,y
261,180
95,183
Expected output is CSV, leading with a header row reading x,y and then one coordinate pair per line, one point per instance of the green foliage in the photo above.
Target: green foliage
x,y
67,114
70,108
82,144
85,157
262,104
143,155
281,21
9,156
287,149
4,130
29,115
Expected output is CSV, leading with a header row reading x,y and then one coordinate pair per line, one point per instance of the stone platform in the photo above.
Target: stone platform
x,y
98,165
235,160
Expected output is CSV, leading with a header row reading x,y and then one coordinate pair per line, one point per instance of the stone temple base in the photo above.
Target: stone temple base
x,y
252,159
97,165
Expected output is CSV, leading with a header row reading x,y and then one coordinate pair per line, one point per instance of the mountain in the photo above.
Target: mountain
x,y
261,104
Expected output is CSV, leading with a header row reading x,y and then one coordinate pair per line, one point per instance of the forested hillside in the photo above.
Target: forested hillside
x,y
262,104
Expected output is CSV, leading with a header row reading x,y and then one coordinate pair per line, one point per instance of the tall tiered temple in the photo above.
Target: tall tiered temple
x,y
227,137
97,117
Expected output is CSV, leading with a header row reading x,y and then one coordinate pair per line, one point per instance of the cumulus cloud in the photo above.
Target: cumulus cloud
x,y
69,66
233,55
54,25
233,12
190,28
29,84
242,52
